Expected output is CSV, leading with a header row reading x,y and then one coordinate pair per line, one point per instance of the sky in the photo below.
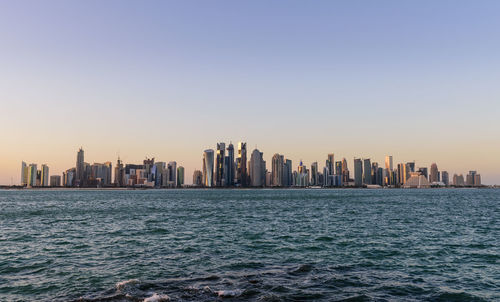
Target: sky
x,y
418,80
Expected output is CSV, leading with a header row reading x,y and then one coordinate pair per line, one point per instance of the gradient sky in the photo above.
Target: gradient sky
x,y
419,80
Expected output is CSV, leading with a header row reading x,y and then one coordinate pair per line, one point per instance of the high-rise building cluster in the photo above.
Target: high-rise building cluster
x,y
227,167
148,174
32,177
220,169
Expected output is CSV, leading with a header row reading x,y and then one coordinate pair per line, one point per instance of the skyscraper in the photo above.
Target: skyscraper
x,y
229,170
330,164
434,173
257,169
55,180
388,163
402,174
44,179
358,172
119,173
208,168
32,171
345,172
314,174
24,174
172,174
180,176
445,178
287,172
197,178
80,168
367,172
242,164
219,165
277,166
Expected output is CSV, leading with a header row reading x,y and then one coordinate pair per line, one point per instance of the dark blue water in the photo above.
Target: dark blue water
x,y
251,245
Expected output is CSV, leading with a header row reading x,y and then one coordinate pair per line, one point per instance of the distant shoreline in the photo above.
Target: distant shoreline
x,y
246,188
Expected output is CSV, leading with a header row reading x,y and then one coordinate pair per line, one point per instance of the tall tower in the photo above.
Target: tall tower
x,y
388,163
330,164
434,173
80,168
219,165
358,172
257,169
180,176
229,163
24,174
44,179
314,174
208,168
345,171
242,164
367,172
277,170
119,173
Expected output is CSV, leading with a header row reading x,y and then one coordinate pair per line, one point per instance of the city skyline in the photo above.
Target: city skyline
x,y
417,80
219,170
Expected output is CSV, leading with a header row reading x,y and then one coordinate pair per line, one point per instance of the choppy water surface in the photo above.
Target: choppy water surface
x,y
253,245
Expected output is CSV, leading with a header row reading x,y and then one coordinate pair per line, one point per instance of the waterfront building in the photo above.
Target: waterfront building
x,y
220,165
241,169
229,168
477,180
287,173
410,168
388,163
69,177
80,168
433,177
100,174
302,176
374,171
119,173
326,177
458,180
55,180
197,178
268,179
401,179
172,174
180,176
44,176
358,172
24,174
345,172
445,178
208,168
314,174
367,172
277,167
160,174
417,180
424,172
257,169
338,168
32,171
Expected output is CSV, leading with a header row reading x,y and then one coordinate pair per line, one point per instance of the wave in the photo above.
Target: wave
x,y
157,298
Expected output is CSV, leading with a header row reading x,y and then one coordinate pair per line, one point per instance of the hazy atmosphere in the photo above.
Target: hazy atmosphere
x,y
417,80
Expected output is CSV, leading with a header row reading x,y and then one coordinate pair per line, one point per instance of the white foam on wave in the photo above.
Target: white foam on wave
x,y
157,298
229,293
123,284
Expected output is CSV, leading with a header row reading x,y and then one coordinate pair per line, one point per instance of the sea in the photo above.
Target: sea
x,y
250,245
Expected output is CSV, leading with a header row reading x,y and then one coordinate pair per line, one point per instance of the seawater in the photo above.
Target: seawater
x,y
250,245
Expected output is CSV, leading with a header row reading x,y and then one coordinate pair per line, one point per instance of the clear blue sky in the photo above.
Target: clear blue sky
x,y
415,79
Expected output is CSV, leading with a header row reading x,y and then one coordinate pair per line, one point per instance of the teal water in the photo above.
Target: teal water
x,y
250,245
